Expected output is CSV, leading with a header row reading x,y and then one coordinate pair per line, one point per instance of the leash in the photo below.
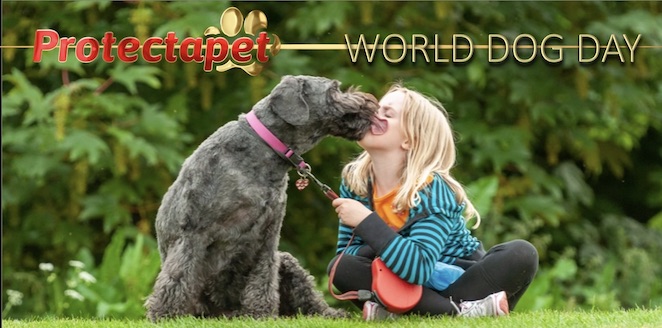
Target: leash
x,y
361,294
302,183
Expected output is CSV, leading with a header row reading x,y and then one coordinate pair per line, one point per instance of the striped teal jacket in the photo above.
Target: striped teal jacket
x,y
434,231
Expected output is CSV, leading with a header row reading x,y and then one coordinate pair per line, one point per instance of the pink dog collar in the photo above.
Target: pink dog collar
x,y
270,139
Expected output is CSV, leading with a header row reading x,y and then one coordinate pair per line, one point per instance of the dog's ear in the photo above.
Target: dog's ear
x,y
287,101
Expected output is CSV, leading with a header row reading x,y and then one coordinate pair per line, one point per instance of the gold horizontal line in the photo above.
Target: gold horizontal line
x,y
338,46
315,46
441,46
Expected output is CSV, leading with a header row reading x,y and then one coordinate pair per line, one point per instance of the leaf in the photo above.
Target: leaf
x,y
476,73
171,158
316,19
656,222
117,188
500,146
564,269
158,124
129,76
140,146
131,259
95,206
50,62
112,258
18,138
84,84
576,187
33,166
83,144
107,205
482,191
191,18
139,267
534,206
12,104
136,146
90,294
82,5
23,91
107,105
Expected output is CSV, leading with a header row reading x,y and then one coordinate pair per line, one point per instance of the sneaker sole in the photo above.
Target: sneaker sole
x,y
503,304
366,311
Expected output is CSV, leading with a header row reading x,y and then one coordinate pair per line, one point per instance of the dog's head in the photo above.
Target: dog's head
x,y
314,107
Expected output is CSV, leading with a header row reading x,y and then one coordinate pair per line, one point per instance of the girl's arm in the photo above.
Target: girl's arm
x,y
357,247
413,257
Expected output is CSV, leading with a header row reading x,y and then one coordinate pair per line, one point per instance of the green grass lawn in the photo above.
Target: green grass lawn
x,y
593,319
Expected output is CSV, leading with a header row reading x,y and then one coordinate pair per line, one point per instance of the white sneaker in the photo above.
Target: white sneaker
x,y
374,312
492,305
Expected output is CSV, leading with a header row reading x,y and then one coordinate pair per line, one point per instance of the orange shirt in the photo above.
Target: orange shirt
x,y
384,208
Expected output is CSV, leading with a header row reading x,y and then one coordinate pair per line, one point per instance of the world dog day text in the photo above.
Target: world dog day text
x,y
524,48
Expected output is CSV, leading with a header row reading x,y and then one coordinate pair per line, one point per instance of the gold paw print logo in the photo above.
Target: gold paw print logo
x,y
248,52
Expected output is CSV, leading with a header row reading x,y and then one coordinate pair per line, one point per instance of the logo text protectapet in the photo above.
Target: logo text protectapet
x,y
247,52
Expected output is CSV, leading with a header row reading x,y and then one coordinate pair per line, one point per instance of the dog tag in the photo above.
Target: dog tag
x,y
301,183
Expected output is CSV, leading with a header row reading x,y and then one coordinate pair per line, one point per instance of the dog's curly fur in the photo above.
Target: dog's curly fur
x,y
218,225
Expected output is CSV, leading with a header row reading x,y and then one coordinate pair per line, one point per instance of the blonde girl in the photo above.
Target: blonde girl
x,y
403,205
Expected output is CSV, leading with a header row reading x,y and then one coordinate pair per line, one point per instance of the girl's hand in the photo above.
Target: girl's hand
x,y
351,212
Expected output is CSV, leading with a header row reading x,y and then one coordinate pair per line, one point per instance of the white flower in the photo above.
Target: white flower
x,y
74,294
87,277
46,266
14,297
77,264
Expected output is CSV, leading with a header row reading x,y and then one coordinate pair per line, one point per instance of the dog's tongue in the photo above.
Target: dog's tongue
x,y
379,126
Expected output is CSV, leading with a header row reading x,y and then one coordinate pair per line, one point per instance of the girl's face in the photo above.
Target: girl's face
x,y
388,135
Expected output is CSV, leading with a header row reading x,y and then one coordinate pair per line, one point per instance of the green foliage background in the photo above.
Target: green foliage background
x,y
568,155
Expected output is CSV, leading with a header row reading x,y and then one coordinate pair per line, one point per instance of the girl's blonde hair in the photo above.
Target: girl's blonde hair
x,y
425,125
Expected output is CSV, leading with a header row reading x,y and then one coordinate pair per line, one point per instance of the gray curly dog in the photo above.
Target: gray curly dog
x,y
219,223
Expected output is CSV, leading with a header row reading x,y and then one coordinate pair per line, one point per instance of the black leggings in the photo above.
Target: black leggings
x,y
508,267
